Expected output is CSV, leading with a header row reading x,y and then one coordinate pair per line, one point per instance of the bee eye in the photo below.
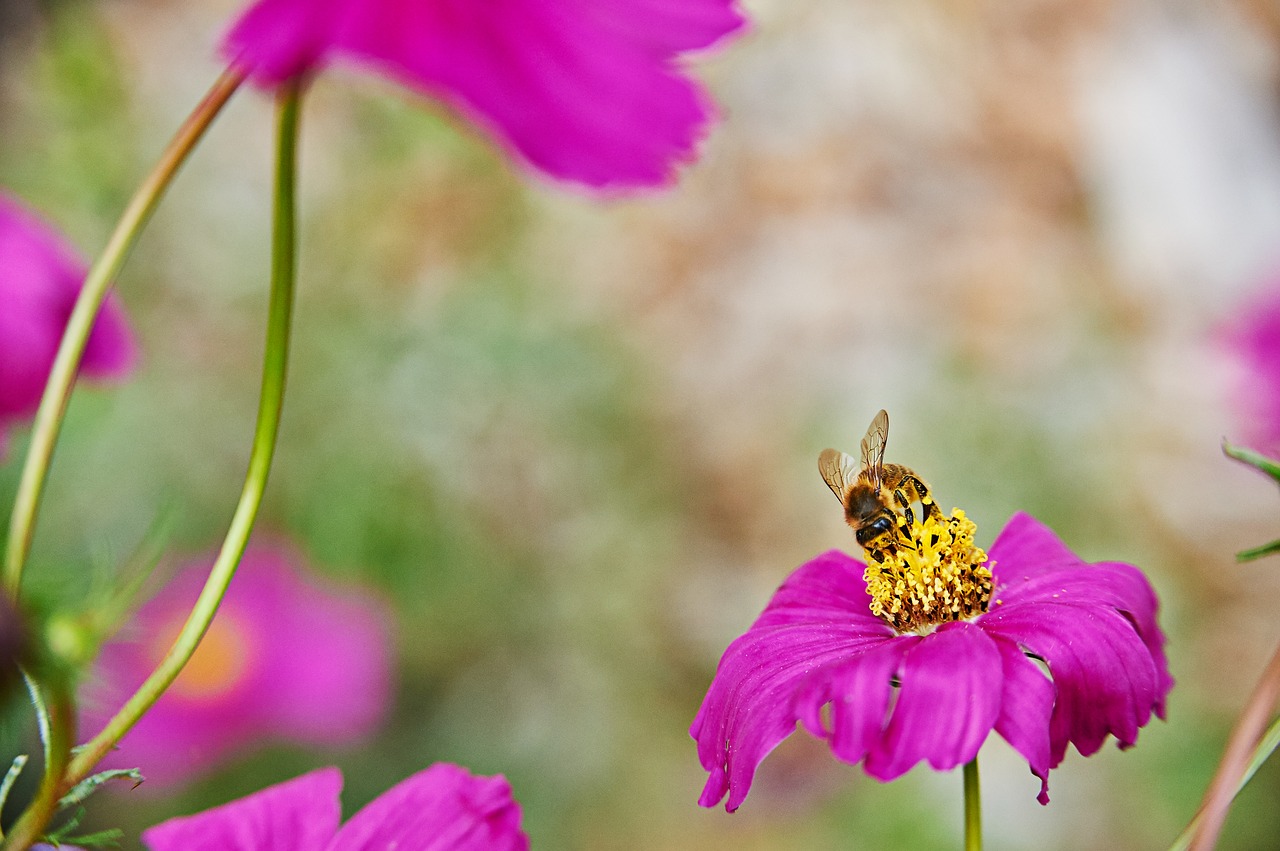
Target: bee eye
x,y
874,529
882,525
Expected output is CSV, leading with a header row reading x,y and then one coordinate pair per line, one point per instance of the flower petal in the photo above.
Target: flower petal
x,y
584,91
279,39
1026,706
1105,677
445,808
858,690
40,277
948,702
818,618
298,815
1115,585
110,352
1025,549
284,643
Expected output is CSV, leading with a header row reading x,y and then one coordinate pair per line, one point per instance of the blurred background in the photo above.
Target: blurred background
x,y
572,443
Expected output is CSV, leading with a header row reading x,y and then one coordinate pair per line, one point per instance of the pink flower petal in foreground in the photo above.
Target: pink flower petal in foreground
x,y
40,277
587,91
818,656
288,658
444,808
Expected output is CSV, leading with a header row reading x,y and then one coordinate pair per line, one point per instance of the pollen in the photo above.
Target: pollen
x,y
935,574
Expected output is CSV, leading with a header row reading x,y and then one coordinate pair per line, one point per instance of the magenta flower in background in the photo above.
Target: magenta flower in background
x,y
587,91
444,808
289,658
1254,338
818,655
40,277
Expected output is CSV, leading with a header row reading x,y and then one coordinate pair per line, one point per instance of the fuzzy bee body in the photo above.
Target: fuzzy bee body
x,y
877,497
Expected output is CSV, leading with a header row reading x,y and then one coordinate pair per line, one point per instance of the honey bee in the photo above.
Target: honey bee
x,y
876,496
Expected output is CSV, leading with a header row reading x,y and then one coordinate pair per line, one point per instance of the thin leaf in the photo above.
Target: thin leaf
x,y
1258,552
109,838
19,763
91,784
1254,459
58,835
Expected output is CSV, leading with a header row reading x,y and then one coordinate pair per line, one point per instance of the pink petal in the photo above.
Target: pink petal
x,y
279,39
858,690
948,702
1025,549
329,646
1106,679
583,91
298,815
444,808
1114,585
110,352
311,664
40,276
669,26
1026,705
1254,337
817,620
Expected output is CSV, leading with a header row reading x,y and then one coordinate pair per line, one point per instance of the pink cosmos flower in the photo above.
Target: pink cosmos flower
x,y
287,658
819,656
1254,338
586,91
444,808
40,276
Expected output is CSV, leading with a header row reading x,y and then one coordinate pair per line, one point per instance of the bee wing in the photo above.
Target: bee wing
x,y
873,447
839,471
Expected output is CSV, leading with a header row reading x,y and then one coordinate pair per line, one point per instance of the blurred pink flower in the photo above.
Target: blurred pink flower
x,y
288,658
1253,337
587,91
40,276
444,808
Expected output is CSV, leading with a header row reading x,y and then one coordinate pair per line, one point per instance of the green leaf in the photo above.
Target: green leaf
x,y
109,838
1259,552
1271,468
19,763
1254,459
56,836
89,785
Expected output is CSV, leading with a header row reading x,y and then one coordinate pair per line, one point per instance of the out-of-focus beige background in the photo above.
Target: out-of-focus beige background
x,y
574,441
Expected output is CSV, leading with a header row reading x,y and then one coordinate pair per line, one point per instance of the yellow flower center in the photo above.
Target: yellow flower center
x,y
218,663
935,574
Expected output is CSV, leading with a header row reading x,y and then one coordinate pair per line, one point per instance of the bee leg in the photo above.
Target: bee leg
x,y
931,508
900,497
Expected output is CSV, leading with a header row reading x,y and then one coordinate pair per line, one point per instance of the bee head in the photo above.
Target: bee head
x,y
877,533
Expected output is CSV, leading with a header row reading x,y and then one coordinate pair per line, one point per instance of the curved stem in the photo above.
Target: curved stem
x,y
275,362
972,807
53,405
1242,749
1263,752
57,719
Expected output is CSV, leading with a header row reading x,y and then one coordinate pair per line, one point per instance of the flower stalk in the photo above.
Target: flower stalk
x,y
972,807
62,376
55,714
275,363
1242,755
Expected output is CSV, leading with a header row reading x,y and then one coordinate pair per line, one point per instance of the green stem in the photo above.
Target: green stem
x,y
1265,748
275,362
57,720
1246,748
53,405
972,807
